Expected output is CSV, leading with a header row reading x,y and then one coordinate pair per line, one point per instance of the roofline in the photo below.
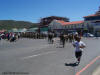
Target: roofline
x,y
93,15
82,21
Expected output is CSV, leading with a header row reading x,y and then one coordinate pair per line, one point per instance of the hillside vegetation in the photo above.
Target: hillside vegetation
x,y
9,24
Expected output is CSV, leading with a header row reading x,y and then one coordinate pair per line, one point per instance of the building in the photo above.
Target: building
x,y
90,24
60,26
46,20
93,23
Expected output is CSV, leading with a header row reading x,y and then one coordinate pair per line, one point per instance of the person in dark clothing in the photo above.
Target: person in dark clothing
x,y
62,40
50,38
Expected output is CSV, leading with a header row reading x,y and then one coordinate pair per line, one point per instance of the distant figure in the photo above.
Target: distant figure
x,y
79,45
62,40
0,37
50,37
8,36
13,38
56,42
96,35
75,36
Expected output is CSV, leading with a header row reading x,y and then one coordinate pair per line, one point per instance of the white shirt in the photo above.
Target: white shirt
x,y
77,45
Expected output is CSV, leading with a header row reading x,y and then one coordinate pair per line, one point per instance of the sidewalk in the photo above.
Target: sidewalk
x,y
97,71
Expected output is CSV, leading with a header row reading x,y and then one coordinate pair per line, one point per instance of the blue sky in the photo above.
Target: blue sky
x,y
33,10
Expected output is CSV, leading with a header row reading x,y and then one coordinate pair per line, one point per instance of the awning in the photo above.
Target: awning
x,y
44,29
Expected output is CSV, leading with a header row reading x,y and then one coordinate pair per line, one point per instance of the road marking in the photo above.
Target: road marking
x,y
93,61
40,47
35,48
38,55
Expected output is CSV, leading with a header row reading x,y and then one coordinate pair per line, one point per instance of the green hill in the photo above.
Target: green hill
x,y
9,24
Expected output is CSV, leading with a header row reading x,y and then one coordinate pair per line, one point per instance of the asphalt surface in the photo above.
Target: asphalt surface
x,y
37,57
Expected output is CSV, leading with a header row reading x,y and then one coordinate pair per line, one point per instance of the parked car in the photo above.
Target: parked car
x,y
88,35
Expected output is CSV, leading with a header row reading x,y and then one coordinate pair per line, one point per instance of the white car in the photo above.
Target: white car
x,y
88,35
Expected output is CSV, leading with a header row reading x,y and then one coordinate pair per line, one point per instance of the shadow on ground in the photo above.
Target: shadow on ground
x,y
59,47
71,64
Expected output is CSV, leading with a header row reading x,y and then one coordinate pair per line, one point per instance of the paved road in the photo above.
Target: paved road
x,y
37,57
91,52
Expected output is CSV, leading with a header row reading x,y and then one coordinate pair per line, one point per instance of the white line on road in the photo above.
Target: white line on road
x,y
38,55
41,47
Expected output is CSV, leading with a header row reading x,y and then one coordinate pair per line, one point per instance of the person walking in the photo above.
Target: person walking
x,y
79,46
62,40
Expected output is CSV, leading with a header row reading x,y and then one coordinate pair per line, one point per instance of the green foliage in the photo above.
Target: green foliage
x,y
9,24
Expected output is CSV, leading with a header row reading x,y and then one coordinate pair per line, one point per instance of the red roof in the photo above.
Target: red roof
x,y
92,15
69,23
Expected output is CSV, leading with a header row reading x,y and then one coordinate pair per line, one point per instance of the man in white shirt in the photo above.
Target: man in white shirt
x,y
79,46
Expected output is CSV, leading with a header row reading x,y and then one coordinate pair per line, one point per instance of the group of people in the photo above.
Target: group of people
x,y
62,37
10,36
34,35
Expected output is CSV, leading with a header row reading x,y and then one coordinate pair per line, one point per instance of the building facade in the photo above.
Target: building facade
x,y
59,26
91,24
